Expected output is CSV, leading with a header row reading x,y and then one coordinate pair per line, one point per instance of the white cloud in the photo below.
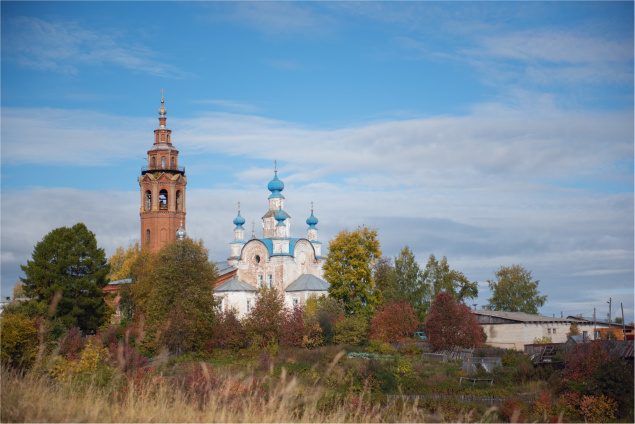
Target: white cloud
x,y
62,46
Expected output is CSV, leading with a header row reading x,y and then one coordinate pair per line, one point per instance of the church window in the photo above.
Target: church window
x,y
163,199
554,331
548,330
259,281
178,201
153,161
257,259
270,280
147,236
148,200
162,161
296,302
249,306
172,163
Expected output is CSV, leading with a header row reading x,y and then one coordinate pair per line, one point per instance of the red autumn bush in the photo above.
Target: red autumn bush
x,y
228,332
292,328
451,324
394,322
72,344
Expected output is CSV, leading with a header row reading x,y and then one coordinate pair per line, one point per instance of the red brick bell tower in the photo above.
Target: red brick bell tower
x,y
162,185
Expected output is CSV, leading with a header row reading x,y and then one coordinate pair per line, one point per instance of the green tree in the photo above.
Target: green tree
x,y
325,311
348,269
67,273
351,330
441,278
177,288
514,290
384,276
410,283
122,261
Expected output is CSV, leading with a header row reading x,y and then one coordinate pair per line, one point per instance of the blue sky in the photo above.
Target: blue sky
x,y
491,133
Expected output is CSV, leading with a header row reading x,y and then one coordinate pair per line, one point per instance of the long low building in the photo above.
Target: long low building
x,y
513,330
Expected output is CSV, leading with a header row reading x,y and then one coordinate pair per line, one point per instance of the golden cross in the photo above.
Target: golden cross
x,y
275,166
238,206
311,205
162,91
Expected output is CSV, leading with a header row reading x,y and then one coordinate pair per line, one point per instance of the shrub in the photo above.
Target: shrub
x,y
598,409
228,333
292,327
72,344
514,410
19,342
351,330
411,349
313,336
381,347
394,322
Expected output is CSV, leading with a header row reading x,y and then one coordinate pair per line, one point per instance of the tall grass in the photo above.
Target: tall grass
x,y
35,397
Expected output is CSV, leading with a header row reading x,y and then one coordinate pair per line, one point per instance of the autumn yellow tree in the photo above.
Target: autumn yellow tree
x,y
348,269
122,261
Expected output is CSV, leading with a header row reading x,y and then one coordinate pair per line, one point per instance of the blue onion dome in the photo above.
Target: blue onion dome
x,y
180,233
280,216
275,186
239,221
312,220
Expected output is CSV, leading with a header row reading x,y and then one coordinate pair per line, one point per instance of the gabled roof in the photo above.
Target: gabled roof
x,y
308,282
233,285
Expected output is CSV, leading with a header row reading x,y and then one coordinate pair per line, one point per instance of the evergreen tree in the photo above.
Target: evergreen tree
x,y
67,273
348,269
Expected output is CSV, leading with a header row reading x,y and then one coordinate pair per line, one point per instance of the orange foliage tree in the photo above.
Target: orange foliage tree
x,y
394,322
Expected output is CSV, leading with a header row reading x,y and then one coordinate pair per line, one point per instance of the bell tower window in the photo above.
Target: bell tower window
x,y
163,199
153,162
147,236
172,163
148,201
179,201
162,161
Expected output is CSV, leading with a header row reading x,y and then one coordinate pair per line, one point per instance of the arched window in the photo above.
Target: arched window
x,y
147,236
172,163
162,161
163,199
148,201
179,205
154,162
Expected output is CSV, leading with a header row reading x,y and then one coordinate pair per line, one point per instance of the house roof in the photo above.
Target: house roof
x,y
521,317
234,284
124,281
308,282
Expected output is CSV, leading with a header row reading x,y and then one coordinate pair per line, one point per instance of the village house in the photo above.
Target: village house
x,y
513,330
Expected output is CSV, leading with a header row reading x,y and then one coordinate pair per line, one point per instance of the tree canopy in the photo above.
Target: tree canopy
x,y
514,290
451,323
122,261
410,283
441,278
174,288
348,269
67,273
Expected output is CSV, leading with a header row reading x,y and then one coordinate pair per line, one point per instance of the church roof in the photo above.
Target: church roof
x,y
224,267
308,282
234,284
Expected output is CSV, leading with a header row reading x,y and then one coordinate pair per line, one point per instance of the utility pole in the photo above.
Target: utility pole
x,y
609,333
623,322
593,323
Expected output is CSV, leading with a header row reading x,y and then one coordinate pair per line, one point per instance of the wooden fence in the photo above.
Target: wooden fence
x,y
487,400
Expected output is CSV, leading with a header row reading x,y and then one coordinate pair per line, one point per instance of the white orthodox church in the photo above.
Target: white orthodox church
x,y
291,265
